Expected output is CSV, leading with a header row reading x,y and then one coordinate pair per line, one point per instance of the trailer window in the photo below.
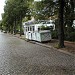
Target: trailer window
x,y
30,28
33,28
48,22
26,29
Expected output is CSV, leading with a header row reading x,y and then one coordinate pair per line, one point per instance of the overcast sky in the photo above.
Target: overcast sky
x,y
2,2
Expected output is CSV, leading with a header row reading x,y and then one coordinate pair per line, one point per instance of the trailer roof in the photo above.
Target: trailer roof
x,y
38,22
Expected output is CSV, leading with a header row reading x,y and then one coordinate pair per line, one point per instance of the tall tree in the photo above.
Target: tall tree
x,y
14,10
61,22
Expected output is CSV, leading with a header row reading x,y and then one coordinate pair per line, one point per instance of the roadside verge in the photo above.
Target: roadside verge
x,y
44,45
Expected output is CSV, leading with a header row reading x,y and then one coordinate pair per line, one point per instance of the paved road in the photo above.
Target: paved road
x,y
18,57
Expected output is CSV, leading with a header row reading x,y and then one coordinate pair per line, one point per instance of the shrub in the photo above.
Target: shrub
x,y
71,36
45,28
54,34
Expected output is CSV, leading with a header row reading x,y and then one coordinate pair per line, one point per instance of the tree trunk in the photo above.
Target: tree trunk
x,y
20,25
9,29
12,29
61,22
15,26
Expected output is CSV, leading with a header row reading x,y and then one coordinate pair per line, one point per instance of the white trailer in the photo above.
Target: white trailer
x,y
33,31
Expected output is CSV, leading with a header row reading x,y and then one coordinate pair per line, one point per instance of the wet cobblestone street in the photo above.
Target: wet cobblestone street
x,y
18,57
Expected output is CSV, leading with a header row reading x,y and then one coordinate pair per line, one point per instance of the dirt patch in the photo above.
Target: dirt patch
x,y
69,46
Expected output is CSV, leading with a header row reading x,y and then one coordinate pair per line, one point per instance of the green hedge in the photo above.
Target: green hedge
x,y
45,28
70,36
54,34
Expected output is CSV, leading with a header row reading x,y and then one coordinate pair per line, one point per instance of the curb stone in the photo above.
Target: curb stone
x,y
47,46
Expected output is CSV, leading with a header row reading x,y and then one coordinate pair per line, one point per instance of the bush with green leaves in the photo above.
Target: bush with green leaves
x,y
71,36
54,34
45,27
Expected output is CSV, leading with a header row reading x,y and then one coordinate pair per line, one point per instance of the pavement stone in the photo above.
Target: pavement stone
x,y
18,57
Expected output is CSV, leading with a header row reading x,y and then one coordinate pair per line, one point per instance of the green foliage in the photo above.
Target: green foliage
x,y
14,11
43,9
45,27
70,37
54,34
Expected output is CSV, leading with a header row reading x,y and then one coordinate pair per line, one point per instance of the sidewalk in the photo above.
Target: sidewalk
x,y
69,46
